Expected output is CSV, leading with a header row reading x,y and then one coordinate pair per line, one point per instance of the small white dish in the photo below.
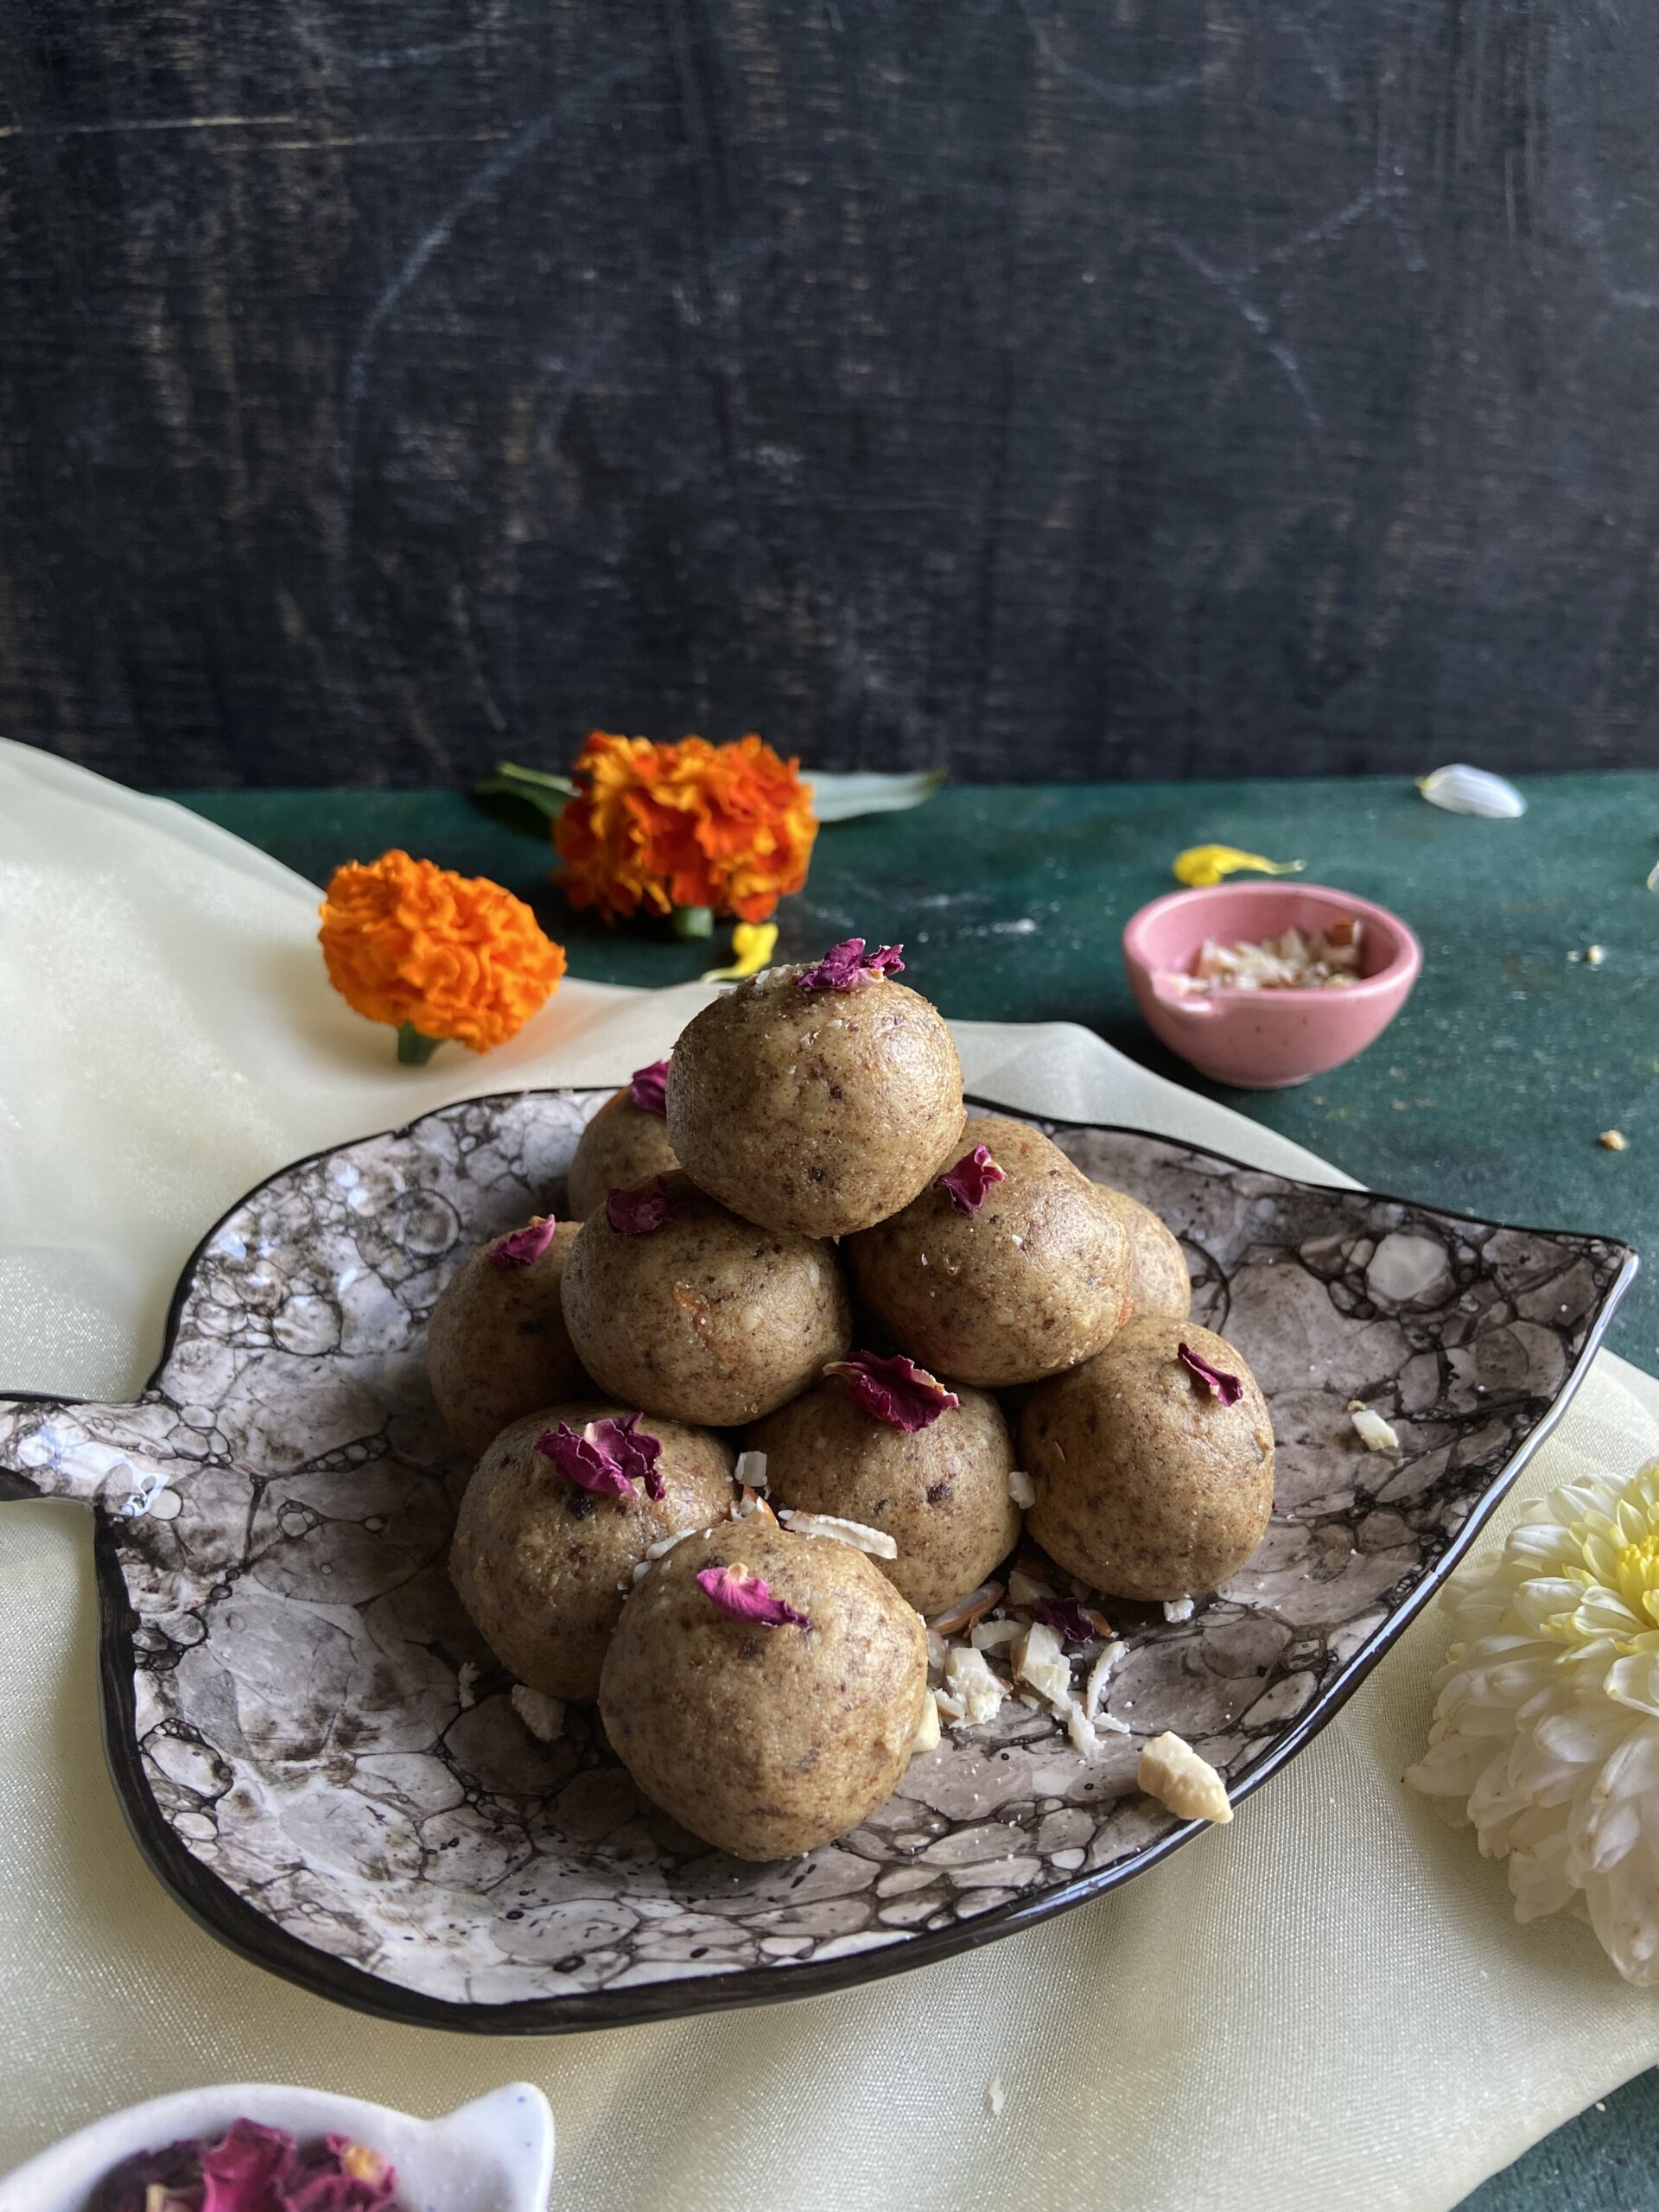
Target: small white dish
x,y
493,2154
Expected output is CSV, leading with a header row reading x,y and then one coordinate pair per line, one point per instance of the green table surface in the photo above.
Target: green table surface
x,y
1488,1093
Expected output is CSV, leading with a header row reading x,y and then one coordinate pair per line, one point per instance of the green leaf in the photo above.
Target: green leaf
x,y
414,1049
693,921
534,786
840,798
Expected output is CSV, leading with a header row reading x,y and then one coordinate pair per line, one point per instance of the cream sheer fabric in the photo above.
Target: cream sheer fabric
x,y
1327,2000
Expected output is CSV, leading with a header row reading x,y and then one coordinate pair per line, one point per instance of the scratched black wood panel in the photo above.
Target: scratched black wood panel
x,y
1058,388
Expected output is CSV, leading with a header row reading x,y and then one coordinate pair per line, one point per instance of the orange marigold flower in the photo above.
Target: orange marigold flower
x,y
443,954
728,827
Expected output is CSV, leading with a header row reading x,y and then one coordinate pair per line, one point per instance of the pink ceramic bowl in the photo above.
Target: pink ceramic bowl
x,y
1266,1041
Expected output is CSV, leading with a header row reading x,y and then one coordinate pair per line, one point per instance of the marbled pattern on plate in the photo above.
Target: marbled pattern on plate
x,y
322,1727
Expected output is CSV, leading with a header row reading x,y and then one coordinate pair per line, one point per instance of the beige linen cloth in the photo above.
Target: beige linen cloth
x,y
1326,2003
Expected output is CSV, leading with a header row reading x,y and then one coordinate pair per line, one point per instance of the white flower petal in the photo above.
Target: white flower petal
x,y
1462,790
1635,1682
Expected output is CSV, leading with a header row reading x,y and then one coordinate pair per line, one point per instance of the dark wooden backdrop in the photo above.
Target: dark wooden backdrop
x,y
1072,387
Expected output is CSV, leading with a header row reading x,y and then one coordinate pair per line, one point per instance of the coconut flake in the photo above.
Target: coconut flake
x,y
542,1715
524,1246
1173,1772
893,1390
1021,1489
966,1183
664,1544
968,1610
647,1088
744,1597
996,2097
635,1212
844,967
863,1538
1099,1675
1374,1432
1227,1387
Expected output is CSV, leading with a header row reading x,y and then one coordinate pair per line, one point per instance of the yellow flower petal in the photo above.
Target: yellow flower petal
x,y
1201,865
751,942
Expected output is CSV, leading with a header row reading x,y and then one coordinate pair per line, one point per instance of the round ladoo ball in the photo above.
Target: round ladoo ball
x,y
940,1492
496,1345
621,1145
1148,1485
705,1318
1033,1281
1160,1287
815,1111
766,1740
542,1564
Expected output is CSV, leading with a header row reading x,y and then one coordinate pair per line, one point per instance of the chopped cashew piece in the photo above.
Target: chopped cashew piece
x,y
1172,1771
991,1635
542,1715
1021,1489
1040,1659
1023,1587
927,1738
970,1681
876,1542
1374,1432
751,1470
1178,1609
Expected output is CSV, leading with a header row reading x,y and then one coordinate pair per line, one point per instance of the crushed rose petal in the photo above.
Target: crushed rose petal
x,y
524,1246
609,1456
844,967
966,1183
745,1597
249,2168
647,1087
893,1390
637,1213
1073,1621
1227,1387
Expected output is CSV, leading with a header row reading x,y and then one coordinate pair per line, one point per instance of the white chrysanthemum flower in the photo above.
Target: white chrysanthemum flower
x,y
1545,1730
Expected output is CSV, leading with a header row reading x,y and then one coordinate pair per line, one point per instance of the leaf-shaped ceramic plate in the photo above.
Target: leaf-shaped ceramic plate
x,y
324,1764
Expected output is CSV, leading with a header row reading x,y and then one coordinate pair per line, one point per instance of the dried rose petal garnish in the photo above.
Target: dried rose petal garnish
x,y
249,2168
637,1213
647,1087
609,1456
844,967
1070,1618
524,1246
745,1597
966,1183
893,1390
1227,1387
636,1451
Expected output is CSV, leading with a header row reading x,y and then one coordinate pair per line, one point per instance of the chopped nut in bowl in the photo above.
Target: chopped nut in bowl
x,y
1266,984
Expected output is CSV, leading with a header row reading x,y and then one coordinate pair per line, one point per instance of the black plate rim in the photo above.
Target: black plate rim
x,y
242,1929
